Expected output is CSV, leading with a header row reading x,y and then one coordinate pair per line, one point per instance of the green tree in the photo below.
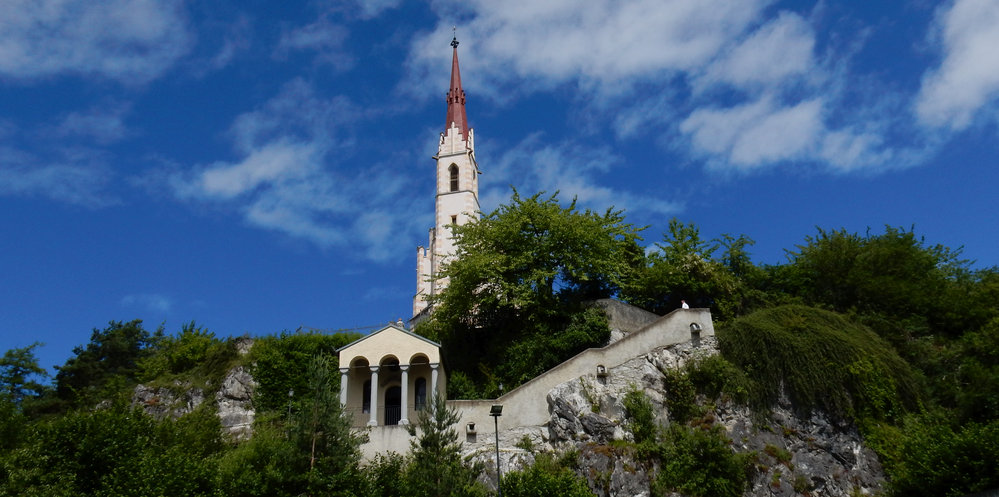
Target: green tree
x,y
315,452
18,370
918,289
278,359
683,268
941,460
116,451
267,465
437,469
323,432
107,363
193,352
545,478
520,274
641,416
698,462
386,475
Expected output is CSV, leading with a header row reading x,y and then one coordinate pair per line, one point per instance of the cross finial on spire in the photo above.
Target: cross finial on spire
x,y
454,37
455,95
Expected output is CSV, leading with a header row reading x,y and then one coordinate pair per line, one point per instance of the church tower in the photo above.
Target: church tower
x,y
457,199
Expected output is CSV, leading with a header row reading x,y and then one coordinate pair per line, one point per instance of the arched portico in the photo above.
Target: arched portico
x,y
390,375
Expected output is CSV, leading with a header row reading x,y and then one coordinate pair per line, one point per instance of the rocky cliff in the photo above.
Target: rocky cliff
x,y
233,398
794,454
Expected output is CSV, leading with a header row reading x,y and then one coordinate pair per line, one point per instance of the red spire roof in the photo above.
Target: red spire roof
x,y
456,97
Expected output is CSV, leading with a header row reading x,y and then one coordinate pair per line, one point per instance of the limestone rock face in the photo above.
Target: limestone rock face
x,y
797,455
826,456
235,406
613,472
233,401
165,402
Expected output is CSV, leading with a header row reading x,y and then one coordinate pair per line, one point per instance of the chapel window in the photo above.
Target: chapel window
x,y
421,393
453,171
366,397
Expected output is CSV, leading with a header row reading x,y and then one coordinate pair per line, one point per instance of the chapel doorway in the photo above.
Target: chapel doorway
x,y
393,405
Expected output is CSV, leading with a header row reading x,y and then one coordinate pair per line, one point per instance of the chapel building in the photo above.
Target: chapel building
x,y
457,198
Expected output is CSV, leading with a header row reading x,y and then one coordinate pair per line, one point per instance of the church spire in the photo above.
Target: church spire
x,y
456,97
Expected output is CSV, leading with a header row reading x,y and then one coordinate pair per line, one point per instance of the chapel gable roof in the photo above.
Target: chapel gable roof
x,y
390,341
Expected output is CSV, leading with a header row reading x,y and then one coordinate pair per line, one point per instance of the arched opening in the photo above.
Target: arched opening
x,y
453,171
393,405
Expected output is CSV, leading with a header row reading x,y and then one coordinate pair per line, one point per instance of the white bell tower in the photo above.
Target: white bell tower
x,y
457,199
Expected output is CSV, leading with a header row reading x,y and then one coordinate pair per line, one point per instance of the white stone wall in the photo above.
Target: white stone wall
x,y
525,408
526,405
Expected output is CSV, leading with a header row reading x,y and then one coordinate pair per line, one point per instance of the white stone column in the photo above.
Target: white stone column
x,y
404,420
343,386
433,382
373,418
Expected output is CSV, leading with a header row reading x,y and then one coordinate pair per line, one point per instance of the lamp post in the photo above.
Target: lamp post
x,y
496,411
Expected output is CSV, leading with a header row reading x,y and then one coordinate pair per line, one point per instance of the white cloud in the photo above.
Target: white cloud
x,y
575,171
372,8
322,36
72,176
103,124
607,45
778,50
290,176
126,40
279,161
236,39
764,133
755,134
660,68
152,302
968,77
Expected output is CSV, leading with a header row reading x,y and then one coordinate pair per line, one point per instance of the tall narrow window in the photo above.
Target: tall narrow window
x,y
453,170
366,397
421,393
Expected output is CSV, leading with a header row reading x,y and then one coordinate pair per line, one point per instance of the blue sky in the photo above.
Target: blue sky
x,y
261,166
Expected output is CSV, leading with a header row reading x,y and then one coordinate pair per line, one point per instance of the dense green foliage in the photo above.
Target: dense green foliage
x,y
193,355
514,304
699,462
110,361
821,360
641,416
695,461
938,459
436,468
545,478
115,452
18,372
277,364
683,269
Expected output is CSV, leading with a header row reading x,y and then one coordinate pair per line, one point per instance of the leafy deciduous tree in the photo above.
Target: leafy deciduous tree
x,y
523,272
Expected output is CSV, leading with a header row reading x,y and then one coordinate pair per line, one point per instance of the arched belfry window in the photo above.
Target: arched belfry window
x,y
453,171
